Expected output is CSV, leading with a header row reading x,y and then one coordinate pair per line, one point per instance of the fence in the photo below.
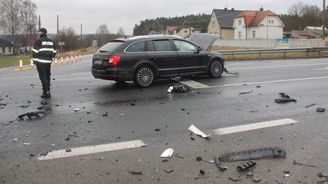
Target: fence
x,y
270,44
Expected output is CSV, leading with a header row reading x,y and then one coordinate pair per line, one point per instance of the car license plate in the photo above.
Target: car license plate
x,y
97,62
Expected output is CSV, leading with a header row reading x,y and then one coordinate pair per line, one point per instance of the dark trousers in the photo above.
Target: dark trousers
x,y
44,70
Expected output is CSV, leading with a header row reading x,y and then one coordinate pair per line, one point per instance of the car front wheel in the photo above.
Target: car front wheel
x,y
144,76
215,69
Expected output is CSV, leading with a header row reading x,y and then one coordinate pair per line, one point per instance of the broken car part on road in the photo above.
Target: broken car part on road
x,y
198,132
269,152
167,153
178,88
31,115
246,166
284,99
220,164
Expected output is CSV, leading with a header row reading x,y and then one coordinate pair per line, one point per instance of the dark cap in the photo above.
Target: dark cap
x,y
43,30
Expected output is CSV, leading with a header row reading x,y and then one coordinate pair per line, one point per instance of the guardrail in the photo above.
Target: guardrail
x,y
268,51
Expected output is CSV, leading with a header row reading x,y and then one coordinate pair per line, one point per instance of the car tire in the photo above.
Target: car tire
x,y
215,69
144,76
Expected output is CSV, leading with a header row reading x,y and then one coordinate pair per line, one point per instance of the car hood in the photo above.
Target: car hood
x,y
204,40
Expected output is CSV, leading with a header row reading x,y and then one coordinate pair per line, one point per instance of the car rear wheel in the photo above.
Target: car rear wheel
x,y
144,76
215,69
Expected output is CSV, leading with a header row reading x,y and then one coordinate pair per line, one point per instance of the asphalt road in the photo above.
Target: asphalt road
x,y
74,141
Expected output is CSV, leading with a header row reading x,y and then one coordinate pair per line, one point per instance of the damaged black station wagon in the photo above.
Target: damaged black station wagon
x,y
143,59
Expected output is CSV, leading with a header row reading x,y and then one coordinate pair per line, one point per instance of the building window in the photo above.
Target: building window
x,y
185,31
254,34
239,22
239,34
213,23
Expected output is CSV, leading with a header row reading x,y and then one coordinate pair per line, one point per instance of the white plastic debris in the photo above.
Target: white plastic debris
x,y
170,89
167,153
198,132
26,143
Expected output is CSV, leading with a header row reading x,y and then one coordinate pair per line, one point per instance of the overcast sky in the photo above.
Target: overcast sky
x,y
127,13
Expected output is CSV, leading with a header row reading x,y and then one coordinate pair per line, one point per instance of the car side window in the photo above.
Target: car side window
x,y
136,47
184,46
162,45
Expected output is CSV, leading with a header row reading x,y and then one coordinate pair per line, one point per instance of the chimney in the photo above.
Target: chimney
x,y
225,9
261,9
232,9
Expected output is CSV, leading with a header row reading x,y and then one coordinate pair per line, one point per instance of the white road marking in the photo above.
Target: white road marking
x,y
275,66
92,149
321,69
194,84
243,128
269,82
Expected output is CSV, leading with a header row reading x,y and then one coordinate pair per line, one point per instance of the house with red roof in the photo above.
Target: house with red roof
x,y
262,24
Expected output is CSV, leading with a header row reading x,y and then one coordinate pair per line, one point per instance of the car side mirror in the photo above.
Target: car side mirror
x,y
198,49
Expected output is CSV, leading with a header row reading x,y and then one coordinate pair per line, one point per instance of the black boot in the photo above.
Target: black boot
x,y
46,94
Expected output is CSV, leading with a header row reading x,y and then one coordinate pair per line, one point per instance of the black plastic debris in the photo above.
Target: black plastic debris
x,y
135,172
234,179
31,115
269,152
256,180
168,170
45,153
310,105
246,166
105,115
321,109
322,175
245,92
201,172
284,99
178,88
68,150
157,129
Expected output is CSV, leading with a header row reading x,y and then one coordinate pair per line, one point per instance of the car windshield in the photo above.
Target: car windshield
x,y
111,46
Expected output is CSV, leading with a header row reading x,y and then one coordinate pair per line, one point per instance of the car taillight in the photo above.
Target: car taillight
x,y
114,60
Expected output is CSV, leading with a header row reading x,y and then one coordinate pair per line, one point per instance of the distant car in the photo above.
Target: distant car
x,y
143,59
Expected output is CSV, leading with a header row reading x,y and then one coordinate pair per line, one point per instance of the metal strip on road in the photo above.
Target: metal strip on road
x,y
194,84
92,149
255,126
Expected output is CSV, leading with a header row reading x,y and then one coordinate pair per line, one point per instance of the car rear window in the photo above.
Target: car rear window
x,y
137,47
110,46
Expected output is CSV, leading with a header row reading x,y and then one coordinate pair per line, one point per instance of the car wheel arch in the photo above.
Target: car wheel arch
x,y
145,63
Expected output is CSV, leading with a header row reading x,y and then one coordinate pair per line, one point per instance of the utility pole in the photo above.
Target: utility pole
x,y
39,22
81,37
323,19
58,37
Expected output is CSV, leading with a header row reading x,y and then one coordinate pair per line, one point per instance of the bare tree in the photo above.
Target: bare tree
x,y
296,9
70,38
28,21
10,16
120,31
102,29
102,34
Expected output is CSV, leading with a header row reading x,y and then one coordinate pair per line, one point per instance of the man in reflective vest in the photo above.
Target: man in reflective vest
x,y
44,52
